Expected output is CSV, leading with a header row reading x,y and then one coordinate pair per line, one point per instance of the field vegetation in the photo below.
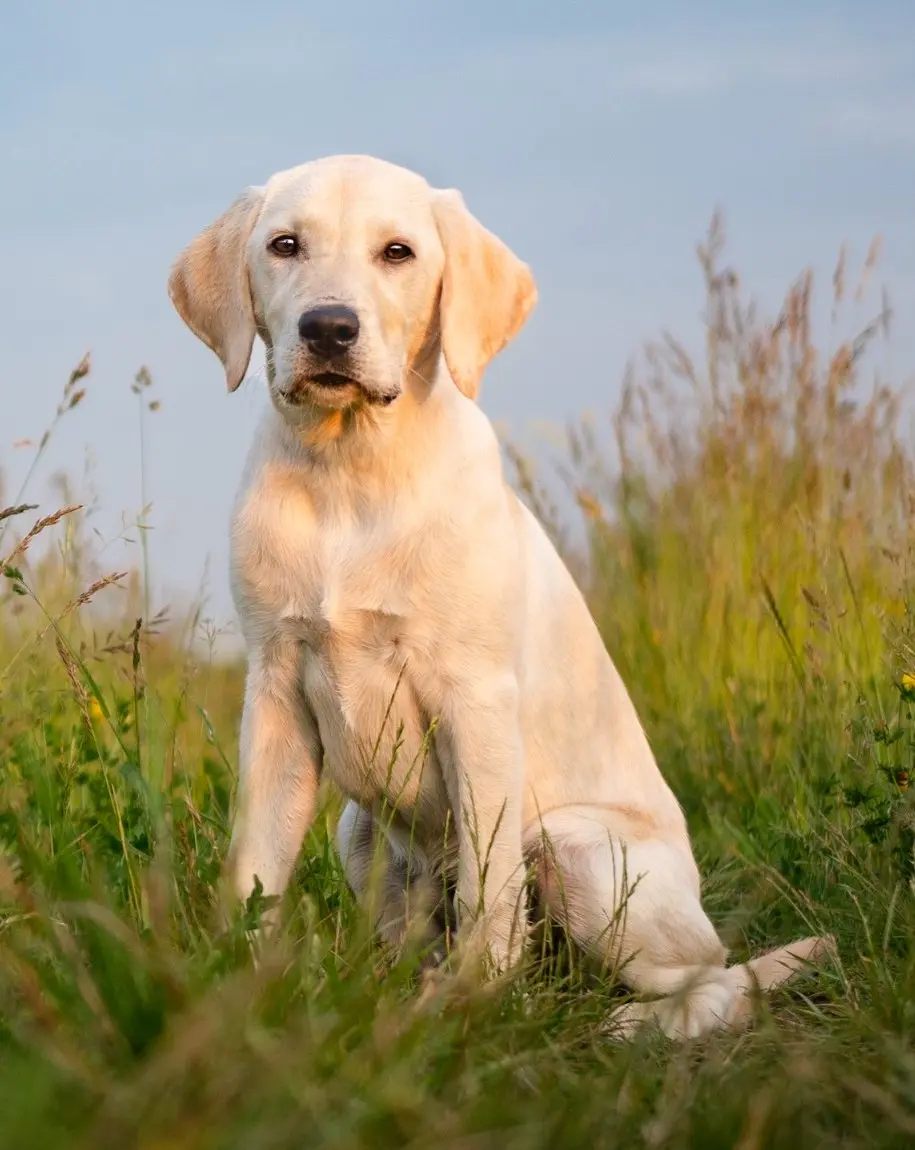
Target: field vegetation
x,y
748,551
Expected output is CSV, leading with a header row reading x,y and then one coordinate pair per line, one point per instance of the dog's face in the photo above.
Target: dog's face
x,y
345,263
356,274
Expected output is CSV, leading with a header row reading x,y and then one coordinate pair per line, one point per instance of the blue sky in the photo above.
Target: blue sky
x,y
595,138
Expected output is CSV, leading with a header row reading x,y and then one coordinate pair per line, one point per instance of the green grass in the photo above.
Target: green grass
x,y
749,559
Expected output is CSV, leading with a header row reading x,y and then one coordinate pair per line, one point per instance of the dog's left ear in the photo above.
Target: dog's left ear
x,y
210,290
487,292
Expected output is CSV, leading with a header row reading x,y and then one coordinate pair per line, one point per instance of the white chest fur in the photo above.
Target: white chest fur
x,y
340,589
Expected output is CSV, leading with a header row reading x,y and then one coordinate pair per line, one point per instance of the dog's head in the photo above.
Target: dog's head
x,y
356,274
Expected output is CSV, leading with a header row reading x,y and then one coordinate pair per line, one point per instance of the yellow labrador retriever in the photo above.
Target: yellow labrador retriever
x,y
410,628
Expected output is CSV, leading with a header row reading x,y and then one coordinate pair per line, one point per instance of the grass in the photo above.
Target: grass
x,y
749,559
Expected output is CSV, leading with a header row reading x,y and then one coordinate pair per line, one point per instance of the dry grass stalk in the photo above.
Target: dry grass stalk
x,y
41,525
76,682
9,512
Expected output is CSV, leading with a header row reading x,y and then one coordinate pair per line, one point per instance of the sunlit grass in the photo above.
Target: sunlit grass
x,y
749,559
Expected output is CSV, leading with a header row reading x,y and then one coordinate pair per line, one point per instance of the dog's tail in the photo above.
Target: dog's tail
x,y
722,998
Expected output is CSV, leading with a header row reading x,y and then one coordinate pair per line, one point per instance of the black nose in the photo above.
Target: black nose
x,y
329,330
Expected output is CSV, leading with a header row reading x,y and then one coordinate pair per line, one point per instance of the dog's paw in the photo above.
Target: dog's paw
x,y
491,952
433,957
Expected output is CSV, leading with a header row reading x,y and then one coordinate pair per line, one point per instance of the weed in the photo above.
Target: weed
x,y
749,559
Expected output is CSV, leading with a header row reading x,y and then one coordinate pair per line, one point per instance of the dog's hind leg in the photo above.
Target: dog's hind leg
x,y
396,891
633,901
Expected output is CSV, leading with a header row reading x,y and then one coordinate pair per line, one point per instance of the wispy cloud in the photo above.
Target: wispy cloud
x,y
722,64
882,121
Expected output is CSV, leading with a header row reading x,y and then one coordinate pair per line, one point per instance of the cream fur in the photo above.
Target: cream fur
x,y
395,596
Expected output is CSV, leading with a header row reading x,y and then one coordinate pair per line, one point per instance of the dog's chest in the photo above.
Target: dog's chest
x,y
350,592
347,597
329,574
360,641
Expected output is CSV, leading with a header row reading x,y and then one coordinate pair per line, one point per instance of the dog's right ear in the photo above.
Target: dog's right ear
x,y
210,289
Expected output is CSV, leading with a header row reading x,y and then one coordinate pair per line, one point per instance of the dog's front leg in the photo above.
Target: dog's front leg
x,y
483,765
279,768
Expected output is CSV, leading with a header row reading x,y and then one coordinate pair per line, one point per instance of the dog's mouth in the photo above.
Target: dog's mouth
x,y
334,379
334,382
340,389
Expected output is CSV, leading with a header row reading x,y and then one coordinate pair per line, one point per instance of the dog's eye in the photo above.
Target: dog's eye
x,y
284,245
397,253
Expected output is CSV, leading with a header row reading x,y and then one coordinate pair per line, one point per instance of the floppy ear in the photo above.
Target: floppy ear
x,y
210,290
487,293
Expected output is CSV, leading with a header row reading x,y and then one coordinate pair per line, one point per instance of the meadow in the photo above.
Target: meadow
x,y
747,550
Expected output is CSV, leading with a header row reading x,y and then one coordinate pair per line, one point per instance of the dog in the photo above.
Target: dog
x,y
412,633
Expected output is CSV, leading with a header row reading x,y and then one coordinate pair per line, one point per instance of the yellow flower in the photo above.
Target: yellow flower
x,y
95,711
908,680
